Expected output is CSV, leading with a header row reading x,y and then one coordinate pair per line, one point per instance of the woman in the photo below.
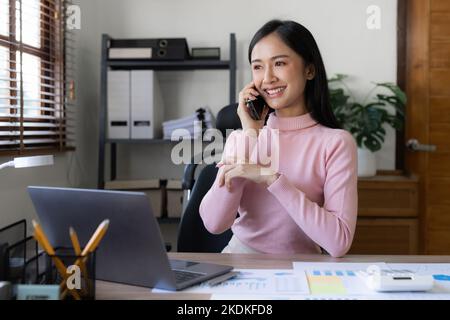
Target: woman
x,y
308,201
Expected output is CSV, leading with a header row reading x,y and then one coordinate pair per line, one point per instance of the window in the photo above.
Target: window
x,y
36,90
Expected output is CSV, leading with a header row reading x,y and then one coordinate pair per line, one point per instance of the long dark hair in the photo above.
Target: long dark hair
x,y
299,39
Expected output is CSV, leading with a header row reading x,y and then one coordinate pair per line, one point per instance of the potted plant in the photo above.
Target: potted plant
x,y
365,120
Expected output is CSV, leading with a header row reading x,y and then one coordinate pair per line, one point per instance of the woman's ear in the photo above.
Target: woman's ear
x,y
310,72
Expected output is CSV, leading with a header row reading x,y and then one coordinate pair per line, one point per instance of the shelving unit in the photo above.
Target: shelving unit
x,y
184,65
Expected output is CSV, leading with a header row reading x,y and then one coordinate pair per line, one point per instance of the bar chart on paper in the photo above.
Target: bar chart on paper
x,y
439,271
336,278
258,282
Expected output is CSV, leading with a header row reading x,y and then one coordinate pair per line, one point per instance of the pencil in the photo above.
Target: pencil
x,y
41,238
77,249
96,237
93,242
75,241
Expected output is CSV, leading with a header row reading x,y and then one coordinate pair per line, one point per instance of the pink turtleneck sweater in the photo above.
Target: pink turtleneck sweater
x,y
313,202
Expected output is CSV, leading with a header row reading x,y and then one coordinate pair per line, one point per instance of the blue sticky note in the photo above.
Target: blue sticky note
x,y
441,277
328,273
339,273
283,273
350,273
316,273
37,292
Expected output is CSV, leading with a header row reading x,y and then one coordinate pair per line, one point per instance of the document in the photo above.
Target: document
x,y
341,281
271,282
336,278
189,127
439,271
322,281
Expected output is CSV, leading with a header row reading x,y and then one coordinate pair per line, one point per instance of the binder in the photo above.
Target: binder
x,y
130,53
160,49
146,105
119,83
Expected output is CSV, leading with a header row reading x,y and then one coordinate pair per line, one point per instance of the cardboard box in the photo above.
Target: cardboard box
x,y
151,187
174,198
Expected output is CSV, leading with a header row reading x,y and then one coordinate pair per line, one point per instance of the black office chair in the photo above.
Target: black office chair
x,y
192,234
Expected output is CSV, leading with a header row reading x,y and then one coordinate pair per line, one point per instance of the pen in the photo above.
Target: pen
x,y
223,278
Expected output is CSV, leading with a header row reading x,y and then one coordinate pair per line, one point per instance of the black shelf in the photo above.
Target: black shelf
x,y
140,141
129,64
152,141
170,65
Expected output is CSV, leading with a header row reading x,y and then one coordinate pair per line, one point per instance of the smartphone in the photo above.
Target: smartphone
x,y
256,107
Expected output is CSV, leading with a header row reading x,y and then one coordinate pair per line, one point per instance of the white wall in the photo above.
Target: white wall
x,y
339,27
14,199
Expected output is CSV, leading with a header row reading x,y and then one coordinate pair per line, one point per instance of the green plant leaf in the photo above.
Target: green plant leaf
x,y
356,107
395,90
379,135
359,138
372,118
337,77
372,144
365,120
393,101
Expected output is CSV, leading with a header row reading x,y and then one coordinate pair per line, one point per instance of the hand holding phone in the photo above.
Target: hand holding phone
x,y
256,107
252,108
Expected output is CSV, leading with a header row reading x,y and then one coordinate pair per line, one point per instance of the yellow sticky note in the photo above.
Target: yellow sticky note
x,y
326,285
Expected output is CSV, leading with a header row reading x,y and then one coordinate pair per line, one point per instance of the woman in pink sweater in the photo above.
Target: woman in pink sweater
x,y
305,198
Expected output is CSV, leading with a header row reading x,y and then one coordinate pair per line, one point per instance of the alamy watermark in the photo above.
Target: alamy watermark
x,y
74,277
73,17
373,21
253,146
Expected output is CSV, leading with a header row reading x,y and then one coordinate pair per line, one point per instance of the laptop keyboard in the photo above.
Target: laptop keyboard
x,y
183,276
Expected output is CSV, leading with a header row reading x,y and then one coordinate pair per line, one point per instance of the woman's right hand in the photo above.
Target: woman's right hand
x,y
250,92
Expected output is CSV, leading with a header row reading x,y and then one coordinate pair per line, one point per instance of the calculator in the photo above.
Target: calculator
x,y
398,280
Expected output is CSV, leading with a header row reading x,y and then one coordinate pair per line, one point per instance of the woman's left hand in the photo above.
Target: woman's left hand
x,y
253,172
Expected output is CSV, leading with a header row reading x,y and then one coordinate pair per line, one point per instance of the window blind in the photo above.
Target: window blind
x,y
37,88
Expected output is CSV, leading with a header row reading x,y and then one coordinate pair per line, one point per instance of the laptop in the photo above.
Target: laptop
x,y
132,251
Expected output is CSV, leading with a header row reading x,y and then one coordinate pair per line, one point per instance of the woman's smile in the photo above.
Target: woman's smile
x,y
274,92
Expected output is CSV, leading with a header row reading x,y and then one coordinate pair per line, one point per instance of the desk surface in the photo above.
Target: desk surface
x,y
112,291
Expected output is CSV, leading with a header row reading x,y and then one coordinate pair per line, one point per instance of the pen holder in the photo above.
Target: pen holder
x,y
20,260
79,275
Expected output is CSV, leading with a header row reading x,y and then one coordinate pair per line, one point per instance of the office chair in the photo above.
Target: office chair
x,y
192,234
227,118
